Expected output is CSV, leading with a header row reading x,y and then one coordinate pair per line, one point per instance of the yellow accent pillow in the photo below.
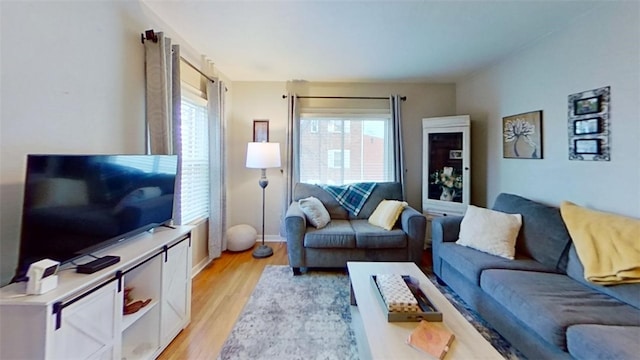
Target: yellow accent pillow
x,y
387,213
608,245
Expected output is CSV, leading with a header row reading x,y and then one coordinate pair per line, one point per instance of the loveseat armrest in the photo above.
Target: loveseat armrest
x,y
443,229
414,224
295,226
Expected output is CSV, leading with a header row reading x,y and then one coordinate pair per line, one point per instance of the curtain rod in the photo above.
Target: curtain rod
x,y
403,98
151,35
196,69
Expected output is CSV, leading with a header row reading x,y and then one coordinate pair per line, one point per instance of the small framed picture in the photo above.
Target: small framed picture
x,y
587,146
260,130
587,126
590,105
455,154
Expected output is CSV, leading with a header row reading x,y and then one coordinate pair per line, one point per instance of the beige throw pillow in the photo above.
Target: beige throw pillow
x,y
386,213
490,231
315,212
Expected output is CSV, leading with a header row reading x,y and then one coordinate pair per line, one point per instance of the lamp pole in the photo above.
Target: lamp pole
x,y
263,250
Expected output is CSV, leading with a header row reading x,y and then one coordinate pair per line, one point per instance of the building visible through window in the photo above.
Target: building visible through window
x,y
345,149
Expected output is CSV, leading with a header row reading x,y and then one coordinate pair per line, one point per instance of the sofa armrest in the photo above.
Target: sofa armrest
x,y
443,229
414,224
295,226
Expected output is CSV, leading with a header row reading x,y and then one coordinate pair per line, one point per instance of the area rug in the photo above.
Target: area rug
x,y
497,341
294,317
308,317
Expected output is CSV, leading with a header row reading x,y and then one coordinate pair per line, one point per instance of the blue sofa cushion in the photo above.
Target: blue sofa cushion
x,y
372,237
543,235
550,303
603,342
337,234
628,293
470,263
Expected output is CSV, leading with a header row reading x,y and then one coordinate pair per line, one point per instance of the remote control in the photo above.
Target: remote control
x,y
97,264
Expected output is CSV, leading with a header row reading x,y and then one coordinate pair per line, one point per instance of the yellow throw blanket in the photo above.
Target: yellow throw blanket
x,y
608,245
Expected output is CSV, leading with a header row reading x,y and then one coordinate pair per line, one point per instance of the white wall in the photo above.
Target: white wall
x,y
72,82
599,49
263,100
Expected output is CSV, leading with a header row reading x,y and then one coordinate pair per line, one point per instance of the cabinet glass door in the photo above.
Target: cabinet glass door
x,y
445,164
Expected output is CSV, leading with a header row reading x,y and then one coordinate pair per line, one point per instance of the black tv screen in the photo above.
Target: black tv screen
x,y
77,204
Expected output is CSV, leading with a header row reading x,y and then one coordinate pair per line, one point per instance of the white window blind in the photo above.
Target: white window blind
x,y
194,198
345,148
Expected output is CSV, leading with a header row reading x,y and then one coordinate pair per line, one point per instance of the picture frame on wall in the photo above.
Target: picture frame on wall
x,y
587,146
591,105
260,130
522,136
587,126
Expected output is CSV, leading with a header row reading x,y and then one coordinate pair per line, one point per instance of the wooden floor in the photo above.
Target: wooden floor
x,y
219,294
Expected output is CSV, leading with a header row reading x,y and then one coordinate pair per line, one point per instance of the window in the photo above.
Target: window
x,y
343,149
339,159
313,126
339,126
194,192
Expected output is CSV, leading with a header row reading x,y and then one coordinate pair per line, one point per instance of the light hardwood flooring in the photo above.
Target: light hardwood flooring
x,y
219,294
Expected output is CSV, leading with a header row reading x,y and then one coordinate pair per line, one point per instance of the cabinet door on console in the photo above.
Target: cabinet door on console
x,y
176,290
88,327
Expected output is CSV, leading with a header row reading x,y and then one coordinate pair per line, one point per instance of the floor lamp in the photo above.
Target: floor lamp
x,y
263,155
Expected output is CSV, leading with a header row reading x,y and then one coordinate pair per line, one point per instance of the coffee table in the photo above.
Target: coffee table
x,y
386,340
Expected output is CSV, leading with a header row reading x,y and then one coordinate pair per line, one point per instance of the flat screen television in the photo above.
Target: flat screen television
x,y
75,205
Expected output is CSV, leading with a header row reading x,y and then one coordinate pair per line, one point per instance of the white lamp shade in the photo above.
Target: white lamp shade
x,y
262,155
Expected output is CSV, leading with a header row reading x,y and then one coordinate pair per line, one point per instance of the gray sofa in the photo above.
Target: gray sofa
x,y
540,301
348,237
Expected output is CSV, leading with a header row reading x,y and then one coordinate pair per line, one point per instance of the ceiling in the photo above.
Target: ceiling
x,y
367,41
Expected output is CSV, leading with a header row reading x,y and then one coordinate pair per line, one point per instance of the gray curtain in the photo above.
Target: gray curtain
x,y
398,148
217,168
162,104
162,66
292,150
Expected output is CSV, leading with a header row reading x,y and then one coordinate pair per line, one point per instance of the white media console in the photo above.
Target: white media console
x,y
83,317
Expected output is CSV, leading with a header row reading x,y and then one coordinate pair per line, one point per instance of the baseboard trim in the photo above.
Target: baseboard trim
x,y
195,270
271,238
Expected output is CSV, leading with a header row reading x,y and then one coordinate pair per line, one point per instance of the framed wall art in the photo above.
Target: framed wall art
x,y
588,125
522,136
260,130
587,106
587,146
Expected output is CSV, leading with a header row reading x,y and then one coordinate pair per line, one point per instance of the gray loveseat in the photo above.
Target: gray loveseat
x,y
540,301
348,237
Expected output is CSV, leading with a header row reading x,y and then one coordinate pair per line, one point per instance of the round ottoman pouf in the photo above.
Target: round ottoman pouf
x,y
241,237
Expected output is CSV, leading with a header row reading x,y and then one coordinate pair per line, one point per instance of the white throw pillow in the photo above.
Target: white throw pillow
x,y
490,231
315,212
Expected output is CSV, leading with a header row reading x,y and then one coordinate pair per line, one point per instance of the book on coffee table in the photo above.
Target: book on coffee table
x,y
431,338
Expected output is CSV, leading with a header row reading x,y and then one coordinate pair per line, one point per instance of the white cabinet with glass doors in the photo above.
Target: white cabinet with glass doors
x,y
446,174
